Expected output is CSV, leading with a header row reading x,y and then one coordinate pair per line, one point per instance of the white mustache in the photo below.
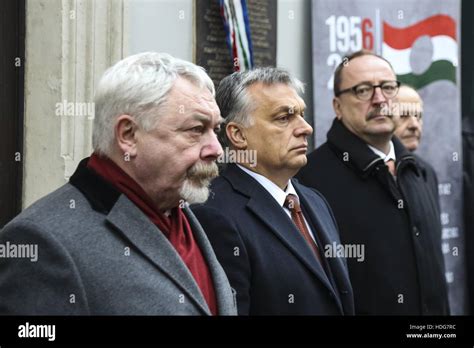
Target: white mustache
x,y
202,171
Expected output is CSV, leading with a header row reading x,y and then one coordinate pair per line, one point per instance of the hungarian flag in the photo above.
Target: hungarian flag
x,y
236,24
398,47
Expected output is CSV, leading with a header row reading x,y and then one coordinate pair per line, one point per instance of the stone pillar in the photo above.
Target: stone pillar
x,y
69,44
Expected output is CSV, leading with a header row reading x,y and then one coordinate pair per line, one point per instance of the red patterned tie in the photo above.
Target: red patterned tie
x,y
293,205
391,167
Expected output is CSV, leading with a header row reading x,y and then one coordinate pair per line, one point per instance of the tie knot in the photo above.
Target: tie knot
x,y
292,203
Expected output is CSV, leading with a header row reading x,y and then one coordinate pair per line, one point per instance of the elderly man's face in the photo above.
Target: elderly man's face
x,y
365,118
176,160
409,122
279,131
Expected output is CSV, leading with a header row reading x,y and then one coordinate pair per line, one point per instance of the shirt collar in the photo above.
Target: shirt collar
x,y
276,192
389,156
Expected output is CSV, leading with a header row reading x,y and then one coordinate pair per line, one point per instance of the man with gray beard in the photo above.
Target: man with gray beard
x,y
119,238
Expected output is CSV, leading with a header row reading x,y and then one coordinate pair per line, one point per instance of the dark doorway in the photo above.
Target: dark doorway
x,y
12,62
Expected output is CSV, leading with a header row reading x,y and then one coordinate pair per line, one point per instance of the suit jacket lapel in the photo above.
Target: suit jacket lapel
x,y
140,231
323,240
221,283
264,206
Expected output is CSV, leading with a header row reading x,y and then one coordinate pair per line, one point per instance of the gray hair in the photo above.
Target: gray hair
x,y
137,86
235,103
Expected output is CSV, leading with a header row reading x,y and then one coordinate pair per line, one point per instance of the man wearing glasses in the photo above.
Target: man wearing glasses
x,y
379,196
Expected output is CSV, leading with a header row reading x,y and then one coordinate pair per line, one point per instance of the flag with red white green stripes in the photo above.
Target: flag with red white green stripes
x,y
398,48
236,23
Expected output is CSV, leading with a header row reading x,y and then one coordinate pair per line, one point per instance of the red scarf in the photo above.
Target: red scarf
x,y
175,227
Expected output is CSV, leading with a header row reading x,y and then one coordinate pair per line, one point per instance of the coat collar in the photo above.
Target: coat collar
x,y
265,207
135,226
347,145
101,194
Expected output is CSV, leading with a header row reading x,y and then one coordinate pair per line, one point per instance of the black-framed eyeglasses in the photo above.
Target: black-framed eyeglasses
x,y
365,91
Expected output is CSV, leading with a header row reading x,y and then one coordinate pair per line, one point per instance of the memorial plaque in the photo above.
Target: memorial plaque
x,y
211,49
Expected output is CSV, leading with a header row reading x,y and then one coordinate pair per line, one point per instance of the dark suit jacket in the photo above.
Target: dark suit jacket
x,y
99,254
429,175
397,221
266,259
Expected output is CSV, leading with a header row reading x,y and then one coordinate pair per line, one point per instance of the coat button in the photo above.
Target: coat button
x,y
416,231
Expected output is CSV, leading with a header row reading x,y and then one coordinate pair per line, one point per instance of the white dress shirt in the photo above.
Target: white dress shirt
x,y
277,193
385,157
